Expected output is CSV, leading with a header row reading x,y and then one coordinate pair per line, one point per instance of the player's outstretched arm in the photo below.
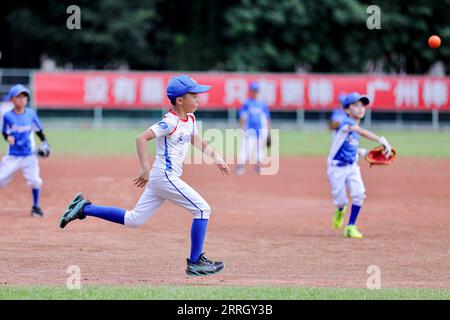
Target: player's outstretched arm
x,y
141,146
372,136
198,142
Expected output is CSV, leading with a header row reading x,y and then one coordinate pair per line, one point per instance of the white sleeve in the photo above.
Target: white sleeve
x,y
164,127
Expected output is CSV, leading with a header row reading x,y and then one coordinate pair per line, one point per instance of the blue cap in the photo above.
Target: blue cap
x,y
341,97
180,85
354,97
18,89
254,86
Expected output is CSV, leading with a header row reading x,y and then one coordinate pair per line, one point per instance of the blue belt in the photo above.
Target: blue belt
x,y
343,164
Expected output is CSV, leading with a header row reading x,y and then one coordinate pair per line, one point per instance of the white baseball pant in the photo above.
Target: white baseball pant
x,y
251,141
29,166
165,186
347,176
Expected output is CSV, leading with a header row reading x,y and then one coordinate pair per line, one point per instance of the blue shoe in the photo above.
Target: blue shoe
x,y
74,210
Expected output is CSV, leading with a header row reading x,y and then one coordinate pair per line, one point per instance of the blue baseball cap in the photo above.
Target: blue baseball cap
x,y
341,98
180,85
254,86
18,89
354,97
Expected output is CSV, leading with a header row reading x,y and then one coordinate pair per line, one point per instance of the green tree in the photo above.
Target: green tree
x,y
331,35
233,35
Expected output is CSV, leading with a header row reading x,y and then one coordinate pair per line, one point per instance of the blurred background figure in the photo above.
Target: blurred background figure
x,y
18,127
6,105
338,114
254,119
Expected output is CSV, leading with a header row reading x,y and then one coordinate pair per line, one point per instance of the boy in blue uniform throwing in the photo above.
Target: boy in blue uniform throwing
x,y
343,170
254,118
18,127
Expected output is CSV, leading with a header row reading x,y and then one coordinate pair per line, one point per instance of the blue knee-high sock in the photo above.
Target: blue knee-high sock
x,y
112,214
198,234
354,214
35,193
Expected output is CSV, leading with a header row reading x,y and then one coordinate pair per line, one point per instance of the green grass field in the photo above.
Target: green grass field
x,y
122,142
217,293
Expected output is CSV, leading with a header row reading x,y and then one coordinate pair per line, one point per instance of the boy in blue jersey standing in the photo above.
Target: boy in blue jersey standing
x,y
343,170
254,118
18,127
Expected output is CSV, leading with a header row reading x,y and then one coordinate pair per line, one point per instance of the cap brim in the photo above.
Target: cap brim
x,y
365,100
19,92
200,88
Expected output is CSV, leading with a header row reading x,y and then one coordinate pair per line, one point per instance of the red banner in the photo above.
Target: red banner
x,y
147,90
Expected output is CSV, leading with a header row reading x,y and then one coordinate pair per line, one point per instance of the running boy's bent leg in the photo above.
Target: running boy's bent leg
x,y
179,192
148,203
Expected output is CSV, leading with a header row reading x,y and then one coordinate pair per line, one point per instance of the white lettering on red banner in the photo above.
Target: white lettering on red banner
x,y
407,93
96,90
374,86
292,92
124,90
236,90
152,90
435,93
320,92
128,90
268,91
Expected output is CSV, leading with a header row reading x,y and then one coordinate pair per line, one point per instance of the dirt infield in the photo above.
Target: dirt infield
x,y
269,230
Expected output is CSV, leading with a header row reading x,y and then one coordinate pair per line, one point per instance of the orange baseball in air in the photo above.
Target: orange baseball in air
x,y
434,42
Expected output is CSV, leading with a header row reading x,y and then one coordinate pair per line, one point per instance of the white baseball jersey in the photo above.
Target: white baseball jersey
x,y
173,139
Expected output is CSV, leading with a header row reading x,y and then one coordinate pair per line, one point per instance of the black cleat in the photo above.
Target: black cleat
x,y
74,210
203,267
37,212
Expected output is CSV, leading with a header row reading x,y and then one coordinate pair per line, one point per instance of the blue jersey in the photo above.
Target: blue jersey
x,y
256,114
344,149
21,127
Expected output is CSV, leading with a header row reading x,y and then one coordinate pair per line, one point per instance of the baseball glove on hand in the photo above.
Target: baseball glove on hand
x,y
269,141
43,150
377,156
